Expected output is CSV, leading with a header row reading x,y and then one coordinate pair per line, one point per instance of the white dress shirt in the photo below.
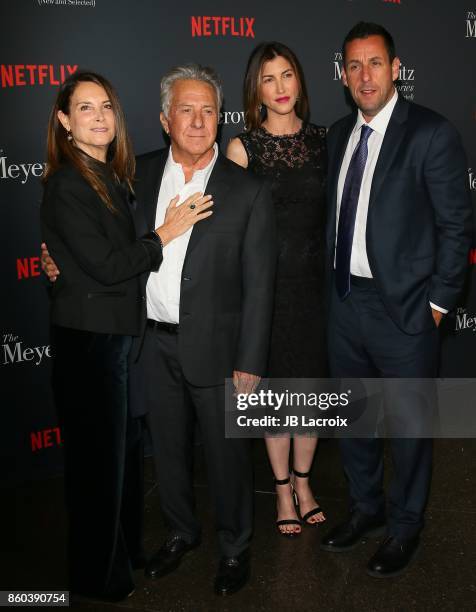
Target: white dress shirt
x,y
359,263
163,286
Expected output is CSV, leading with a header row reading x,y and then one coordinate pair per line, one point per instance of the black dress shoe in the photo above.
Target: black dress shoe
x,y
168,557
392,558
348,535
233,574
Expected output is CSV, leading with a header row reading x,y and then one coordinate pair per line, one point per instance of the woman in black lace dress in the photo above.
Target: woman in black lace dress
x,y
282,146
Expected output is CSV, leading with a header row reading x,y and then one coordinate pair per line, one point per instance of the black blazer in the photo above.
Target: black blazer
x,y
97,253
227,288
419,223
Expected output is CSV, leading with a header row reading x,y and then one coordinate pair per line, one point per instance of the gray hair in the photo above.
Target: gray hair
x,y
189,71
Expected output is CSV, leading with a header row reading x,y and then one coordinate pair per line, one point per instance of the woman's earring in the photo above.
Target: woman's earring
x,y
260,107
69,136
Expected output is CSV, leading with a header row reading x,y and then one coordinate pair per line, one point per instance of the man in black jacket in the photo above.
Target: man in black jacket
x,y
209,313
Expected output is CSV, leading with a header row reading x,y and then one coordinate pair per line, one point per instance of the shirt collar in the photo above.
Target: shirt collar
x,y
171,164
380,122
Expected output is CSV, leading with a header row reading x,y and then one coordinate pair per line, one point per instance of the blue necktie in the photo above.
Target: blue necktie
x,y
348,210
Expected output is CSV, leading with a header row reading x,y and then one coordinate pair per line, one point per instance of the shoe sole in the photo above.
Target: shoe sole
x,y
375,574
371,533
314,525
170,568
236,588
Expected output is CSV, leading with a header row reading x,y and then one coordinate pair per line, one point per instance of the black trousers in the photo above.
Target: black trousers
x,y
103,460
174,407
364,342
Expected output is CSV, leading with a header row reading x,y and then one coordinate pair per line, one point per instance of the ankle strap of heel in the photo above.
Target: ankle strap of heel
x,y
283,481
301,474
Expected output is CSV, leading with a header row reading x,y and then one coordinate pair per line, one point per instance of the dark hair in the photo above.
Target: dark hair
x,y
364,29
265,52
59,149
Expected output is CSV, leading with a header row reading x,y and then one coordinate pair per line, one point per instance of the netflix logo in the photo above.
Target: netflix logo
x,y
23,75
28,267
45,438
393,1
222,26
472,257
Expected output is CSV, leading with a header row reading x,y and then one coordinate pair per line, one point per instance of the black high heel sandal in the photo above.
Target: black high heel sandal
x,y
312,512
288,534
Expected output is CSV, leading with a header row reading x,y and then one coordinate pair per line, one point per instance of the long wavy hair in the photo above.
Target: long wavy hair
x,y
265,52
120,156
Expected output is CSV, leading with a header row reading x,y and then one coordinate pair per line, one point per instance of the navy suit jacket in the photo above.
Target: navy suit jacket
x,y
419,223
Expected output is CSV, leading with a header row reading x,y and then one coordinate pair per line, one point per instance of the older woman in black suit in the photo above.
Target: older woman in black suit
x,y
96,309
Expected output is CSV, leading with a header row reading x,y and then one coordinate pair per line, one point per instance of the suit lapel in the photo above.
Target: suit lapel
x,y
341,145
137,214
150,190
218,187
390,147
335,163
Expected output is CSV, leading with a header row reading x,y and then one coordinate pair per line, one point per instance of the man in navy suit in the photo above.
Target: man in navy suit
x,y
399,228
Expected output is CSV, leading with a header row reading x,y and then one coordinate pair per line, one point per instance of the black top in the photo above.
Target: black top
x,y
97,254
295,164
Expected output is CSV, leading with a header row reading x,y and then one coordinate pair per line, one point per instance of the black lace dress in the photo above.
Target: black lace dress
x,y
296,167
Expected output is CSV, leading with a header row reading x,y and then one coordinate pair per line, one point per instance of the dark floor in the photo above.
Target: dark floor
x,y
287,574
